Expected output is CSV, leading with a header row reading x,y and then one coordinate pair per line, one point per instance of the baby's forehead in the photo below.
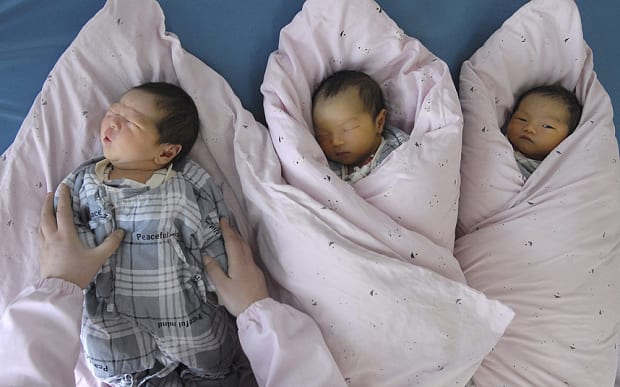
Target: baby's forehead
x,y
542,97
543,102
347,99
138,105
139,97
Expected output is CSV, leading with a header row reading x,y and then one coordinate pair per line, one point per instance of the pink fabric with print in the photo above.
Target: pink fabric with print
x,y
372,263
387,320
550,247
415,190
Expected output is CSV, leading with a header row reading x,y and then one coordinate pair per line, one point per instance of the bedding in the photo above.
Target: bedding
x,y
372,264
549,247
415,190
123,45
416,325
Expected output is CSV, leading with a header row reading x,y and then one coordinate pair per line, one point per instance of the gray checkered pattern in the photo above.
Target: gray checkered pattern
x,y
147,308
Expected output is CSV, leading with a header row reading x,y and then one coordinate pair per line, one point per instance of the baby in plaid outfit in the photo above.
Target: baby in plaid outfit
x,y
150,316
348,114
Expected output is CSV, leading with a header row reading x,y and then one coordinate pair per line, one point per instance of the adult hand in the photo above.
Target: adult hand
x,y
62,254
245,282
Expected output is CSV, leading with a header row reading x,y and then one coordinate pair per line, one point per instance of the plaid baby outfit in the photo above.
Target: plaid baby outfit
x,y
147,312
526,165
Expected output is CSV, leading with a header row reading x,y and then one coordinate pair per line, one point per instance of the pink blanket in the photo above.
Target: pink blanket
x,y
550,247
349,262
416,189
372,263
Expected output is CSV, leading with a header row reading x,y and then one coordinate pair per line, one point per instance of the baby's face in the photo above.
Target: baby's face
x,y
128,132
346,132
538,125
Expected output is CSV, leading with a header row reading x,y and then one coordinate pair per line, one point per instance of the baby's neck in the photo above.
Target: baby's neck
x,y
139,175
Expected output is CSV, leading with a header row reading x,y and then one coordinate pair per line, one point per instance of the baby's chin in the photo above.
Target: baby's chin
x,y
516,148
347,160
530,155
106,154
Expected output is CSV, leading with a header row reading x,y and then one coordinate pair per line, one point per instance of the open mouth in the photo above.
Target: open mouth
x,y
106,139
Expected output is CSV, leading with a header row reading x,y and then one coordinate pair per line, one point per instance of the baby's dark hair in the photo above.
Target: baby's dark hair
x,y
180,124
558,93
369,90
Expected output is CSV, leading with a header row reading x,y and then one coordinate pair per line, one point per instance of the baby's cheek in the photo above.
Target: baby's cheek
x,y
510,133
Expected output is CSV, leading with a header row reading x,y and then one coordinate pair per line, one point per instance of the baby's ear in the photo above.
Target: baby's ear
x,y
380,120
167,153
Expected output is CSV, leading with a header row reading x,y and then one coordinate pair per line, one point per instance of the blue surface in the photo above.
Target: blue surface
x,y
33,34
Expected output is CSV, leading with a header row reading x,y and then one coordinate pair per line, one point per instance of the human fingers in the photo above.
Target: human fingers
x,y
81,268
108,246
47,224
239,290
214,272
228,233
64,213
236,247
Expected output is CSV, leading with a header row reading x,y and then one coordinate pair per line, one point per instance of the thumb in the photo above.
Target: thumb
x,y
214,271
109,245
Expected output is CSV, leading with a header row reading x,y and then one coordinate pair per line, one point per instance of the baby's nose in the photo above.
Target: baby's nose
x,y
337,140
115,123
529,128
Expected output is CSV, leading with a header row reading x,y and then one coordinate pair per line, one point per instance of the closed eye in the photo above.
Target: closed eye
x,y
132,124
